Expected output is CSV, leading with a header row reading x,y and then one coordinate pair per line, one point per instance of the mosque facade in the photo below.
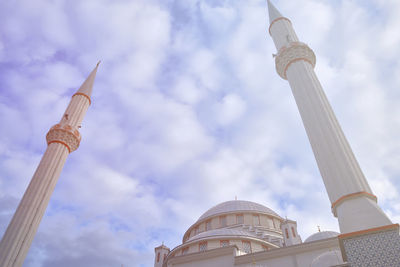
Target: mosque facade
x,y
244,233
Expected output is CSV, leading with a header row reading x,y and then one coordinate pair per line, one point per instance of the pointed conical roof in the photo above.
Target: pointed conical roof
x,y
87,86
273,12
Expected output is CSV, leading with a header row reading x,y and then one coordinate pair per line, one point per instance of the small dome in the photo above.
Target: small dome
x,y
237,206
223,232
321,235
328,259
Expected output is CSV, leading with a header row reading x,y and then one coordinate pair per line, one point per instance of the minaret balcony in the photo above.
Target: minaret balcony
x,y
64,134
295,51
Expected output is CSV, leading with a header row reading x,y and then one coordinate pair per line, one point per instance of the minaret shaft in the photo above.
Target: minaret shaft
x,y
75,111
334,157
283,30
348,190
62,139
23,226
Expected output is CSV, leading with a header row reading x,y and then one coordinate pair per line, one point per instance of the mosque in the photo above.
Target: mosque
x,y
242,233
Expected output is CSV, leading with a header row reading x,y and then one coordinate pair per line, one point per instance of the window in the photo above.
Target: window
x,y
270,223
286,233
185,251
224,243
208,225
158,257
293,232
265,248
239,219
196,230
203,246
165,256
222,221
256,220
246,246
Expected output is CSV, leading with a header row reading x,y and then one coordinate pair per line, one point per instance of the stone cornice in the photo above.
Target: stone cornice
x,y
275,20
287,251
230,213
223,237
230,250
84,95
351,196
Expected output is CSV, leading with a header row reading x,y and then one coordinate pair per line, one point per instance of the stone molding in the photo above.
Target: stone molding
x,y
369,231
230,250
275,20
64,134
328,243
295,51
197,223
84,95
351,196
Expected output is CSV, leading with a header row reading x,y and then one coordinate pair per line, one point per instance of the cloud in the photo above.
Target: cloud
x,y
230,109
187,112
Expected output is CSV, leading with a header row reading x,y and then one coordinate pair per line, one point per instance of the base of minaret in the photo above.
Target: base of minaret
x,y
372,247
359,213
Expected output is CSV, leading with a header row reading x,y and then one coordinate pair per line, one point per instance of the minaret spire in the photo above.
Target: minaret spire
x,y
87,86
62,139
352,199
273,12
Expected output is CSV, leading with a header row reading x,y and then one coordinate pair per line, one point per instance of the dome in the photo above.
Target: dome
x,y
327,259
237,206
222,232
321,235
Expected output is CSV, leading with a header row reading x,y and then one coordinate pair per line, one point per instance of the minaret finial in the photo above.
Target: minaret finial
x,y
273,12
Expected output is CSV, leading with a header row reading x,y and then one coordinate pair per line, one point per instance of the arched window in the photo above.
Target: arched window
x,y
287,233
224,243
256,219
158,257
239,219
293,232
208,225
246,246
222,221
203,246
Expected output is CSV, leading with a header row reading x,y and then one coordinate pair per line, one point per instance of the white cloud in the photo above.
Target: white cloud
x,y
187,111
230,109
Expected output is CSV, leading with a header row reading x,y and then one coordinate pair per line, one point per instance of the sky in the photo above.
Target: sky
x,y
187,112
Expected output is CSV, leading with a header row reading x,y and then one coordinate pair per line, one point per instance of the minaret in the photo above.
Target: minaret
x,y
352,199
161,253
290,235
62,139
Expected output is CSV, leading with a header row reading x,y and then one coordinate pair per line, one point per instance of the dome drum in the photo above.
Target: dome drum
x,y
236,213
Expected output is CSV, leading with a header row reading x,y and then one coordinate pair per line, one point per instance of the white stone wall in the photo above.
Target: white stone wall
x,y
222,261
297,257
